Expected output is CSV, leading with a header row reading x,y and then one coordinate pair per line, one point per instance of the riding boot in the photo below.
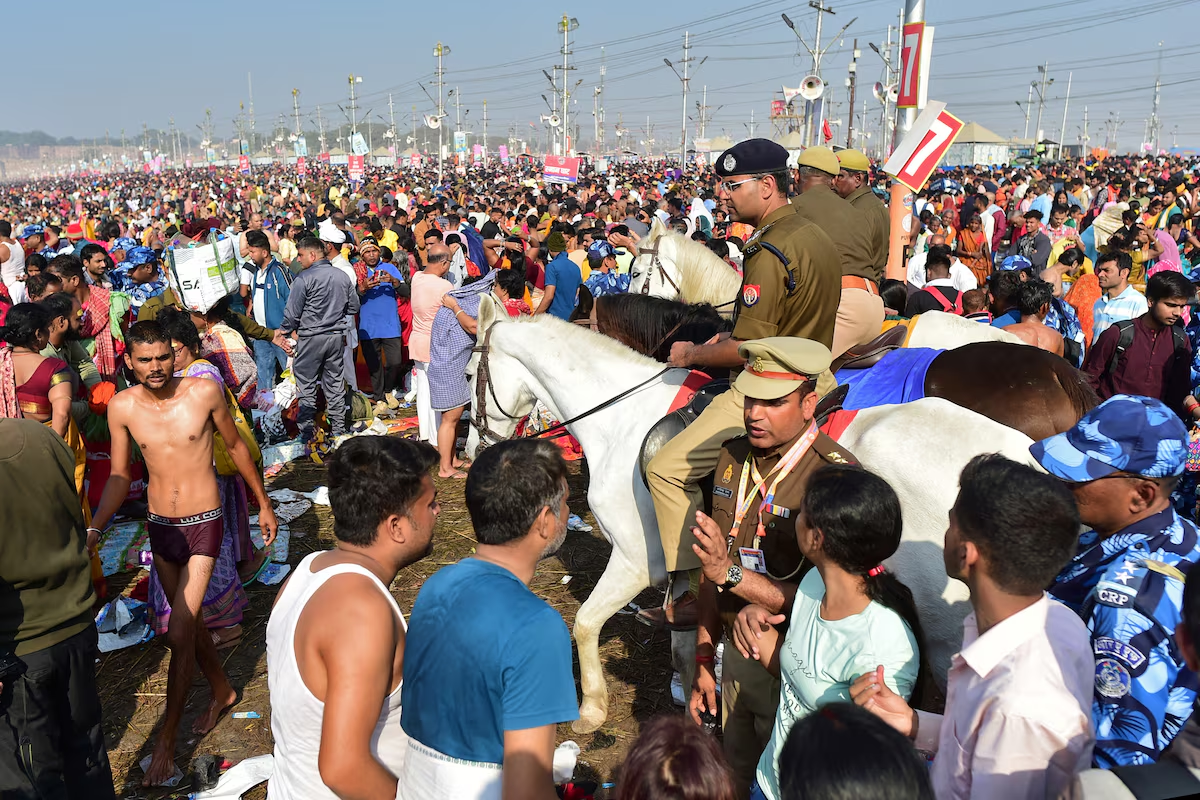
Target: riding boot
x,y
677,613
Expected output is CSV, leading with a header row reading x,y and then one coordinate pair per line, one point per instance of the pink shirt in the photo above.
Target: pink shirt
x,y
1018,719
427,293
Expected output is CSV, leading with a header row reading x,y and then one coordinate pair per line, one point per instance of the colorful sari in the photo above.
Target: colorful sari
x,y
101,330
225,601
972,252
225,349
1085,291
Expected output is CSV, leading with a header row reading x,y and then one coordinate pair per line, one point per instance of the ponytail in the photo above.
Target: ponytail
x,y
887,590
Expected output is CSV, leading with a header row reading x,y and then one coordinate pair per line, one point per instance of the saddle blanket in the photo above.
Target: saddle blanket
x,y
899,377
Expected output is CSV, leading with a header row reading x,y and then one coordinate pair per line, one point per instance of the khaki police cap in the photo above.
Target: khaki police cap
x,y
821,158
780,365
854,160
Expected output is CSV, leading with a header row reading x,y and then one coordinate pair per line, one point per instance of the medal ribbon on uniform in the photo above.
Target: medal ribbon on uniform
x,y
781,470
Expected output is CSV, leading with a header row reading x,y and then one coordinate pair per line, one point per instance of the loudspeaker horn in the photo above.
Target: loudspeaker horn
x,y
879,90
812,87
554,121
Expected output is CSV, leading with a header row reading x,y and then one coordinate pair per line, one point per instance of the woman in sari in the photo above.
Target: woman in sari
x,y
225,601
226,349
973,250
33,386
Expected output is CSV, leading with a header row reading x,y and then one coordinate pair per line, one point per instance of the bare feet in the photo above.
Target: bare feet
x,y
457,475
219,704
162,763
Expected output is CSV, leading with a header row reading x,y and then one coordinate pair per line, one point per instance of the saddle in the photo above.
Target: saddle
x,y
673,424
868,355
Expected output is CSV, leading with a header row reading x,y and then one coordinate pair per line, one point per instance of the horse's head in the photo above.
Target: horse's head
x,y
500,391
654,271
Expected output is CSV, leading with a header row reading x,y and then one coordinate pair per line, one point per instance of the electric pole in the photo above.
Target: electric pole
x,y
250,88
815,110
485,139
1046,81
439,51
1062,131
565,26
1154,125
321,130
1028,106
600,105
683,79
354,104
296,110
853,83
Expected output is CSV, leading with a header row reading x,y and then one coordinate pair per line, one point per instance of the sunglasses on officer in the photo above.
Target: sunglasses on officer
x,y
728,187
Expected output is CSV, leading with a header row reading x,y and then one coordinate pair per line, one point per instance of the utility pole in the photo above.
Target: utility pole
x,y
600,105
1062,131
1046,81
145,137
354,104
683,79
250,88
457,109
321,130
1028,105
1155,125
439,51
485,139
392,129
1086,138
813,107
565,26
752,123
853,83
296,110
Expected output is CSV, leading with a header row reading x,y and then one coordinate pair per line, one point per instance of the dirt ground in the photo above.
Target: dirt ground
x,y
133,681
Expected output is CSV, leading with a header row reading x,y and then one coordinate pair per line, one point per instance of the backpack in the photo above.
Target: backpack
x,y
1125,339
947,306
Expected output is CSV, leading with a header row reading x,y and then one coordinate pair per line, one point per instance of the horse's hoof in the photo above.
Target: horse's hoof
x,y
590,720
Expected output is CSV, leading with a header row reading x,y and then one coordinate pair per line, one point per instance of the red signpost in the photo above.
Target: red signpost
x,y
911,45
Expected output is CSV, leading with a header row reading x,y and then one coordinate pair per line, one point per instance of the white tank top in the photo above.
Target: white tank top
x,y
13,267
296,714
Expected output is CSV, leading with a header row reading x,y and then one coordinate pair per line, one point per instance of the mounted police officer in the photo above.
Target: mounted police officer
x,y
791,283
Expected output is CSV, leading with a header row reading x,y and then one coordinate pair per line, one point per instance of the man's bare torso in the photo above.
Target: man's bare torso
x,y
175,437
1038,335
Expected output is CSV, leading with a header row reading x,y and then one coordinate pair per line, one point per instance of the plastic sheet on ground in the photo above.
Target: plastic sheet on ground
x,y
120,547
122,623
279,547
170,782
274,573
240,778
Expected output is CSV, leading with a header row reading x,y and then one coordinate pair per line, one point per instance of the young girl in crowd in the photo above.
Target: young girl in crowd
x,y
849,614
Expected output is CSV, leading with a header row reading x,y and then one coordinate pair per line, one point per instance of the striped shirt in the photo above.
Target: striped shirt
x,y
1129,304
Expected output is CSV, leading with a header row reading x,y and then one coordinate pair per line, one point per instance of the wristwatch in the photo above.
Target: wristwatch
x,y
733,576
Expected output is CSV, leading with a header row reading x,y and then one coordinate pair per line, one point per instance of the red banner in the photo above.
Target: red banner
x,y
910,60
301,167
561,169
355,167
323,157
244,164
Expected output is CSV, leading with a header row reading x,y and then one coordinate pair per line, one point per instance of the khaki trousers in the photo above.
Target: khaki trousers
x,y
749,700
675,472
859,319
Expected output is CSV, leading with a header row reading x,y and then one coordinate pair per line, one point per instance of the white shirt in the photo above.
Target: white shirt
x,y
961,277
1018,719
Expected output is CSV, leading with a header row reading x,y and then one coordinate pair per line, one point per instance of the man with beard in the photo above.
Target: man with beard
x,y
487,663
335,640
173,421
66,319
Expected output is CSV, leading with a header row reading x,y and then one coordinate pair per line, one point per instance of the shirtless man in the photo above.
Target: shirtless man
x,y
1033,301
173,421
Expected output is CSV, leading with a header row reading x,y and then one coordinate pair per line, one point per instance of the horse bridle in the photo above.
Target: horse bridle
x,y
484,387
652,251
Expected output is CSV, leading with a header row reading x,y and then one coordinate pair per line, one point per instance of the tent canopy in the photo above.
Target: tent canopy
x,y
974,133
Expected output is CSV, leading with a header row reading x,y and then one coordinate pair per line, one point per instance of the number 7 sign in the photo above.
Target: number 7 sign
x,y
911,44
923,147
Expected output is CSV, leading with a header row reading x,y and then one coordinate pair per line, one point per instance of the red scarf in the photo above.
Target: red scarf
x,y
96,325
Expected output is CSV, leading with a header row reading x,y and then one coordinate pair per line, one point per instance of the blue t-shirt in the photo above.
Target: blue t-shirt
x,y
564,276
1010,317
378,317
483,655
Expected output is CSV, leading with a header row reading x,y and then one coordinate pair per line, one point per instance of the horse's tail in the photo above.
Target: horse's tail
x,y
1079,392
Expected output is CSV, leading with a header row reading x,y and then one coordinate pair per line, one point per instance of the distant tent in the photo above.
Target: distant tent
x,y
791,140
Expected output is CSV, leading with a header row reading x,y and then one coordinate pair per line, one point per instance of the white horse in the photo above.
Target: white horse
x,y
672,266
920,447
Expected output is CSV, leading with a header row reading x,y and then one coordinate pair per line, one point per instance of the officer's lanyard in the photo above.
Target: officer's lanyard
x,y
781,470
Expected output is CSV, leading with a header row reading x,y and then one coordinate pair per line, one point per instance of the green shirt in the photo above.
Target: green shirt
x,y
48,593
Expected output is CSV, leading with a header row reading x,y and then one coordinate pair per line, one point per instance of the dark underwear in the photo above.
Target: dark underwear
x,y
176,539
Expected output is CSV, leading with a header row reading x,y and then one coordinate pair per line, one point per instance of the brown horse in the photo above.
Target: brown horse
x,y
1027,389
1031,390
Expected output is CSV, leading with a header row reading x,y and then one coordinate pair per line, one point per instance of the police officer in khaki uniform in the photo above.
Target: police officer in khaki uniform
x,y
860,312
852,183
748,549
790,287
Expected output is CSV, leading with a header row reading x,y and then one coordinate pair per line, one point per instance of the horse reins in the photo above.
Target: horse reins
x,y
484,387
656,262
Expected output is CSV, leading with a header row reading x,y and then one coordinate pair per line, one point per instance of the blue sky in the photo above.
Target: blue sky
x,y
146,63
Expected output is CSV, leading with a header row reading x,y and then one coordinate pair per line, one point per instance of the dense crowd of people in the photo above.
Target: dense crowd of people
x,y
118,396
